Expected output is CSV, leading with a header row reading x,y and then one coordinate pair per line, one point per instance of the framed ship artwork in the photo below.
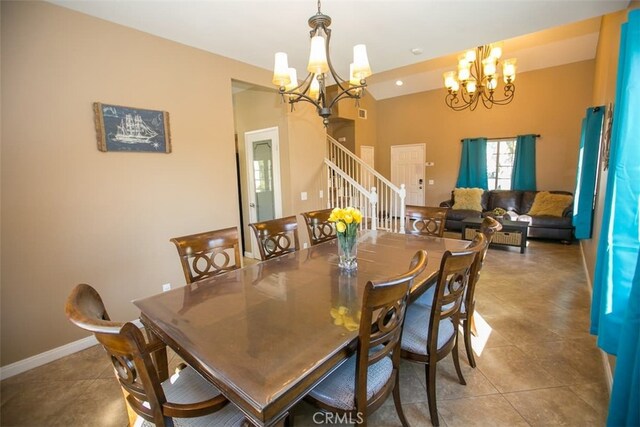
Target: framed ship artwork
x,y
131,129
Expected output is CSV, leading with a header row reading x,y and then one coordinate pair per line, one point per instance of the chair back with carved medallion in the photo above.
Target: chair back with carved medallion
x,y
319,227
383,310
276,237
207,254
125,346
140,366
456,272
425,220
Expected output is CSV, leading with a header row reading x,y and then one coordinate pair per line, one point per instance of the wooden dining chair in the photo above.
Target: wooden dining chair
x,y
425,220
276,237
208,254
319,227
186,395
431,333
488,228
363,383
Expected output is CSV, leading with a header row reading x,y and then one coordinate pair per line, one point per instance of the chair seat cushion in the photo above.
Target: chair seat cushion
x,y
187,386
338,389
416,329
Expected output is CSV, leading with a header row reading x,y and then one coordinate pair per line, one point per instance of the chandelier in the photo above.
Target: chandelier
x,y
314,87
477,79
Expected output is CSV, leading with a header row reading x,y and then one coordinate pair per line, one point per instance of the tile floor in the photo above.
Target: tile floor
x,y
537,366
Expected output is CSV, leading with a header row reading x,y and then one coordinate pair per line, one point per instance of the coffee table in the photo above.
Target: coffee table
x,y
513,233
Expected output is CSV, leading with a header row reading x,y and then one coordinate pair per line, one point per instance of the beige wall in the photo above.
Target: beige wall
x,y
366,130
72,214
550,102
604,92
300,155
256,109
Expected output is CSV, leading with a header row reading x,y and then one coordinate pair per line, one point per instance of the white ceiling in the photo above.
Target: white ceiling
x,y
252,31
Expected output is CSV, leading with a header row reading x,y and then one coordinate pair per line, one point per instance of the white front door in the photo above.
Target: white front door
x,y
263,177
367,154
407,167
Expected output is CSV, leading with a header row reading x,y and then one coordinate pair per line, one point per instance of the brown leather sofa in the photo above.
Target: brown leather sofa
x,y
543,226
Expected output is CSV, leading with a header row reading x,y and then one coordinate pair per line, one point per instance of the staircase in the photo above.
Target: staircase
x,y
351,182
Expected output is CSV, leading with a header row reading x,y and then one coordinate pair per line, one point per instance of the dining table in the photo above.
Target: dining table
x,y
267,333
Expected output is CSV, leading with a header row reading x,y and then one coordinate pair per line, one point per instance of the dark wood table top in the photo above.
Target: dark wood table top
x,y
264,334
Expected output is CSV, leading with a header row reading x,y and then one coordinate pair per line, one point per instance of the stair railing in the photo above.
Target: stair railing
x,y
390,199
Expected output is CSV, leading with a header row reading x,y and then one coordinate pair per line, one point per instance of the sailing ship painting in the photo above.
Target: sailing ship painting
x,y
132,129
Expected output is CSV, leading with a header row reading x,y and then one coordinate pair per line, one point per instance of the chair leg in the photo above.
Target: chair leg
x,y
398,403
467,330
456,362
430,374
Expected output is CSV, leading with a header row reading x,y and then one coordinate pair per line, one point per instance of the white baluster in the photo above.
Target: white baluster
x,y
373,201
403,195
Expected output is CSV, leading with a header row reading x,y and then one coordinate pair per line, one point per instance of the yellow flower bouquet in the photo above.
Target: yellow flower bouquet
x,y
347,221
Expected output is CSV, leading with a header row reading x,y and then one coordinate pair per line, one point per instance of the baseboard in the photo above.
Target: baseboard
x,y
48,356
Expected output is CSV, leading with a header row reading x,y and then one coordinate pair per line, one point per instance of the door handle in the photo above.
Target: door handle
x,y
420,181
252,205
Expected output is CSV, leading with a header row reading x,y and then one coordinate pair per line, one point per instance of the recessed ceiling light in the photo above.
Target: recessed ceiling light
x,y
416,51
399,82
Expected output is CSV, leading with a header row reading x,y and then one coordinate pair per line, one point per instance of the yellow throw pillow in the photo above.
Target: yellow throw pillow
x,y
467,199
550,204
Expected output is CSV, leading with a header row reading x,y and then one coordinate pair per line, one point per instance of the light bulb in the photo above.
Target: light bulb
x,y
489,66
293,76
318,56
464,73
361,68
471,85
495,50
314,89
470,55
449,79
509,70
281,76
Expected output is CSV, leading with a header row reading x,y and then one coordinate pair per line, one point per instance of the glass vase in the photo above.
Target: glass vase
x,y
347,251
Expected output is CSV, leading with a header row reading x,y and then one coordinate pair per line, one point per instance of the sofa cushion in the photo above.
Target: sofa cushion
x,y
550,221
468,198
460,214
527,201
508,200
547,203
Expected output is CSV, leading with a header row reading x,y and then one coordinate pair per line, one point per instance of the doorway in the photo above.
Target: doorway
x,y
367,154
407,167
262,148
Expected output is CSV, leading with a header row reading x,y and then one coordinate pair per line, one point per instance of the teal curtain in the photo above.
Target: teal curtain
x,y
473,164
624,408
614,316
587,172
523,175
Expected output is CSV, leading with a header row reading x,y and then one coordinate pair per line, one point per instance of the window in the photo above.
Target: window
x,y
500,157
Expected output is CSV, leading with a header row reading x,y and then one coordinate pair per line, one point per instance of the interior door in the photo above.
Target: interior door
x,y
263,176
367,154
407,167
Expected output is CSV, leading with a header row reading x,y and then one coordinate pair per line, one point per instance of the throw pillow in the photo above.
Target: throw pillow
x,y
550,204
468,199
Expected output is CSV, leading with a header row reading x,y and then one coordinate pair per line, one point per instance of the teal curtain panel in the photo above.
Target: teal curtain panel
x,y
586,178
473,164
615,317
523,175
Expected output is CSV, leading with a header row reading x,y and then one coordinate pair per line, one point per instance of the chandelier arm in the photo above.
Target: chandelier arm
x,y
346,93
339,80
